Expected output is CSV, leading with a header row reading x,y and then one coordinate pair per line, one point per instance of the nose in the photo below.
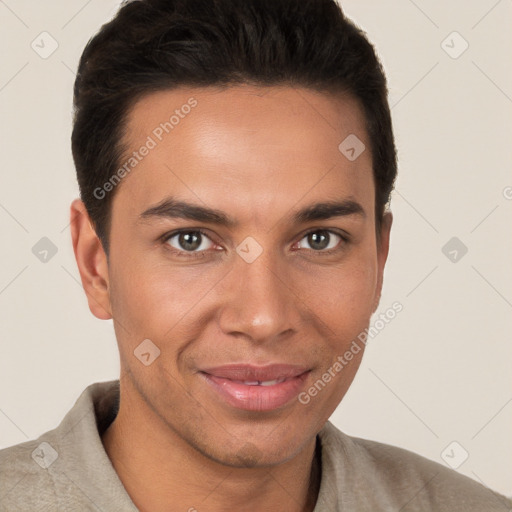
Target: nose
x,y
258,300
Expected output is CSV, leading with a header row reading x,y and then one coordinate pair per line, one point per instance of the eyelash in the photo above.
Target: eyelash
x,y
186,254
201,254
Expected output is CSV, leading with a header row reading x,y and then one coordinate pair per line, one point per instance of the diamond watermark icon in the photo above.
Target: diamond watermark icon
x,y
146,352
454,45
44,250
454,249
249,250
352,147
45,455
454,455
44,45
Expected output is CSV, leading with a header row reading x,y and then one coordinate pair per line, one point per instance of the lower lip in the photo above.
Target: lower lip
x,y
256,398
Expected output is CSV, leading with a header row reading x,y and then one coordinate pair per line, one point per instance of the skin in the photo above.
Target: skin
x,y
259,155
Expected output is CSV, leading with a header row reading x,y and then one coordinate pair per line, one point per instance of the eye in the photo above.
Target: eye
x,y
189,241
321,240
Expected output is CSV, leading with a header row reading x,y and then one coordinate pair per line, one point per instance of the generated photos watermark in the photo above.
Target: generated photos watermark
x,y
355,347
152,141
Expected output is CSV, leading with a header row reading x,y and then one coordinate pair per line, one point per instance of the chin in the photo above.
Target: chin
x,y
254,453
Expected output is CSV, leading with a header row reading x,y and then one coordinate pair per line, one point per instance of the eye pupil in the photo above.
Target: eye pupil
x,y
190,241
319,240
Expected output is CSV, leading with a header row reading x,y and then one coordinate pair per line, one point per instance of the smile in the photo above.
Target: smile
x,y
255,388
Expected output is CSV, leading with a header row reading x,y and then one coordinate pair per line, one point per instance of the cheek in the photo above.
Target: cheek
x,y
155,299
342,295
150,298
342,307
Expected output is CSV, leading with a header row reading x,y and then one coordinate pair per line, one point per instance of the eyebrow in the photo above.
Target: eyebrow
x,y
171,208
327,210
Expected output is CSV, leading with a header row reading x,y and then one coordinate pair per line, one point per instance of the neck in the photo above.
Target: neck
x,y
157,468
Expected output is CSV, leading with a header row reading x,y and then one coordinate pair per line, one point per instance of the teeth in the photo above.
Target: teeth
x,y
262,382
269,382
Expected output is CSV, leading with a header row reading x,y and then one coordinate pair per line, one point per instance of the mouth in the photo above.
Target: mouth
x,y
256,388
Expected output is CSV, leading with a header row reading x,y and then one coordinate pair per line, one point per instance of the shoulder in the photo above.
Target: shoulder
x,y
385,474
66,466
25,482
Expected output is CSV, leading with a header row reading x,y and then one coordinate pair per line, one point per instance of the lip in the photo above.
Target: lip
x,y
231,384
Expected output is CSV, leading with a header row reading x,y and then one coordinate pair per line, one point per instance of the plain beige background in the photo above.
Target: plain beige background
x,y
439,373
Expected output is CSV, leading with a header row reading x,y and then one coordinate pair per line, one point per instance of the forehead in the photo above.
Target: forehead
x,y
245,145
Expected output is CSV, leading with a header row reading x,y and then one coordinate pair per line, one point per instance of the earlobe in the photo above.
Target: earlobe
x,y
91,260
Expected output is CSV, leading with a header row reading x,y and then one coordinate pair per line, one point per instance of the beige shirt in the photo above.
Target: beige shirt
x,y
67,469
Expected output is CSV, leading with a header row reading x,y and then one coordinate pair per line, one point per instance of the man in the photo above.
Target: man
x,y
235,160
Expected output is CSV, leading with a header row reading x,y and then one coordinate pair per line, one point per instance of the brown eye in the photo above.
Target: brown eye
x,y
190,241
320,240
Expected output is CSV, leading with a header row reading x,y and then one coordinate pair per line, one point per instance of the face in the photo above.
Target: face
x,y
243,245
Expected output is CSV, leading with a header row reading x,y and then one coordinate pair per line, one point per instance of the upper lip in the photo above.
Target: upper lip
x,y
247,372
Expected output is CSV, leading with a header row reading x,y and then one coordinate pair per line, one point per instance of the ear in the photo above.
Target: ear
x,y
91,260
382,254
